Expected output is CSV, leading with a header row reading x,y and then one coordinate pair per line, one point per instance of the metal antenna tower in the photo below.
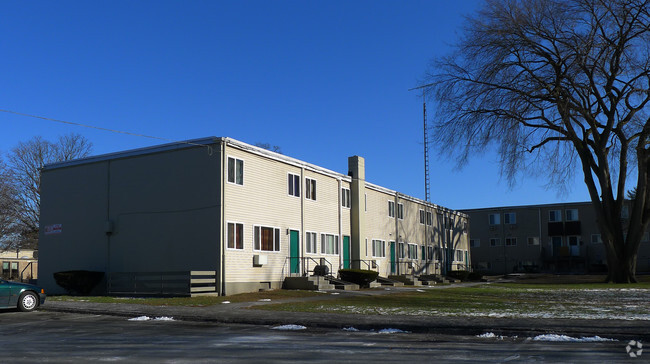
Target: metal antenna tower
x,y
427,182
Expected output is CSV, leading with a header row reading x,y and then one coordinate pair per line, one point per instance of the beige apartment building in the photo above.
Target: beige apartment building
x,y
250,216
19,265
542,238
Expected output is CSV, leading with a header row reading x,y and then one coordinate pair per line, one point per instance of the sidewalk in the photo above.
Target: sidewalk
x,y
244,313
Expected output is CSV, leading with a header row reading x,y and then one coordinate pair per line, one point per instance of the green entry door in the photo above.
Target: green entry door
x,y
294,251
346,252
393,262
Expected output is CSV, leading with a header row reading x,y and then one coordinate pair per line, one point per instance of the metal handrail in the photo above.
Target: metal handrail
x,y
29,265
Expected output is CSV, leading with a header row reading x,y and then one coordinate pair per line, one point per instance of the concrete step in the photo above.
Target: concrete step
x,y
389,282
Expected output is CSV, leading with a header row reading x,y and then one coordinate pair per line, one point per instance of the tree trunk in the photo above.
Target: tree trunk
x,y
621,267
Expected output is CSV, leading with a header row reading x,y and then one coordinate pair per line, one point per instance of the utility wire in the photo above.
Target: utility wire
x,y
100,128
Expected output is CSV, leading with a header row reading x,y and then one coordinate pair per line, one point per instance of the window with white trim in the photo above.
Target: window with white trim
x,y
459,255
412,251
510,218
235,236
310,189
430,252
495,219
378,249
555,216
293,182
235,171
400,211
596,239
310,243
345,197
474,243
429,218
511,241
571,214
391,208
329,244
266,238
533,240
401,250
422,217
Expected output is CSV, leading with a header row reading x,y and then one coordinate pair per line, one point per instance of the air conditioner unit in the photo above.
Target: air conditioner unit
x,y
259,260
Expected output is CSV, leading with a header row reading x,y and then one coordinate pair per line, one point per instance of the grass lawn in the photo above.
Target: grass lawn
x,y
589,301
197,301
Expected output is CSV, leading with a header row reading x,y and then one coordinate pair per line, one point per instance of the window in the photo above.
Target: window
x,y
235,236
345,197
422,217
495,242
400,211
267,238
401,251
554,216
235,171
571,215
391,208
495,219
365,202
573,240
329,244
310,189
294,185
310,243
474,243
510,218
412,251
533,240
646,237
429,218
430,251
423,255
596,239
378,248
459,255
511,241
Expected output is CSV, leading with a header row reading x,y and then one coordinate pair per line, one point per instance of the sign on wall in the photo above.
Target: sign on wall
x,y
53,229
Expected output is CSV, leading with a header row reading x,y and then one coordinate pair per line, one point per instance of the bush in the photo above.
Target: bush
x,y
361,277
459,274
475,276
78,282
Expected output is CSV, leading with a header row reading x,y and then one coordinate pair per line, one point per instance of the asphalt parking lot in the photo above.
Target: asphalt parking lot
x,y
58,337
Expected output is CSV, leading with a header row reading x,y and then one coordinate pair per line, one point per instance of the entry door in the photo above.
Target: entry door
x,y
294,251
346,252
393,262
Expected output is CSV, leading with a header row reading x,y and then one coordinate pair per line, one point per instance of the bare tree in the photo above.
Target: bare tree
x,y
558,87
26,161
268,146
8,224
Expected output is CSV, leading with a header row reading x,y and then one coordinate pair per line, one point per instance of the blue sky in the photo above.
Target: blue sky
x,y
323,80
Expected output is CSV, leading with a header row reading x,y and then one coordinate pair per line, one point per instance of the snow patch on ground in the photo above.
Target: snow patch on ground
x,y
147,318
392,331
225,302
351,329
289,327
565,338
265,300
490,335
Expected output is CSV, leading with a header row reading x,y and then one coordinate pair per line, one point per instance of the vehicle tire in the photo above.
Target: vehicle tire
x,y
28,301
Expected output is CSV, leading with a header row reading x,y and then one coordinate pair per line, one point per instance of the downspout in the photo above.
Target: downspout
x,y
340,209
303,188
397,236
222,230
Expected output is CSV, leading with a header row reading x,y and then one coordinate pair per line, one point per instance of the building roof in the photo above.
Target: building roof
x,y
208,142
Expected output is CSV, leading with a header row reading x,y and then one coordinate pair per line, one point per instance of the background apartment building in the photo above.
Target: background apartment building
x,y
549,238
250,215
